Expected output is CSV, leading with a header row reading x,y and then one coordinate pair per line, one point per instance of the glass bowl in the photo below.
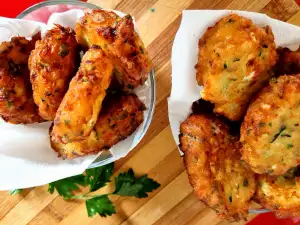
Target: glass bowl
x,y
41,12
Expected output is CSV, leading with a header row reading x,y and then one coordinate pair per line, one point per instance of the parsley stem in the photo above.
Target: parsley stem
x,y
85,196
79,197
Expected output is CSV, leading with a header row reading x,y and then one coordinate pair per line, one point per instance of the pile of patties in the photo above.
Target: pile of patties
x,y
242,144
92,105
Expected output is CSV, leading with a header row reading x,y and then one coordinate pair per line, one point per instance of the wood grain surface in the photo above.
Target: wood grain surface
x,y
173,203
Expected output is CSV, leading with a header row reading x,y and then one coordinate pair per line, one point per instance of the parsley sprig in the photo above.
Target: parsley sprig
x,y
126,184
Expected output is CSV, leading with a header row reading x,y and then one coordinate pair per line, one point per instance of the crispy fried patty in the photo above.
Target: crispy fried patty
x,y
119,118
16,101
81,105
234,60
212,161
117,36
270,132
280,194
52,64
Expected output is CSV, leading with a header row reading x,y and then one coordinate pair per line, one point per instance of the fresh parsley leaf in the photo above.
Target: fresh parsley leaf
x,y
149,185
101,205
98,177
126,184
65,186
15,191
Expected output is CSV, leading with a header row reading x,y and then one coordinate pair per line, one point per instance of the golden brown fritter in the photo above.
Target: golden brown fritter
x,y
119,118
52,64
270,132
117,36
289,61
280,194
16,101
234,59
80,107
101,23
216,173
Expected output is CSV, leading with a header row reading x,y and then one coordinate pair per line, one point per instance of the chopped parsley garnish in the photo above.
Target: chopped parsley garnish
x,y
63,50
9,104
282,128
245,183
225,65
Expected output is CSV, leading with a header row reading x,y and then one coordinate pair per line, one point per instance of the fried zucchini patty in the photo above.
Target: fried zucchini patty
x,y
81,105
216,173
280,194
234,60
16,101
270,132
117,36
52,64
119,118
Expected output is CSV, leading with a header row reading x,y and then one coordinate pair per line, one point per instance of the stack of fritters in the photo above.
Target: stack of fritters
x,y
245,79
86,121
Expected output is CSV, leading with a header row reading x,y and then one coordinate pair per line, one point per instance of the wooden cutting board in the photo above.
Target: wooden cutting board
x,y
173,203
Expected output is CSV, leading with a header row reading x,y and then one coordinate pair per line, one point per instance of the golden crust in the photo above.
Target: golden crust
x,y
119,118
233,63
80,107
52,64
279,194
16,101
270,132
214,168
117,36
